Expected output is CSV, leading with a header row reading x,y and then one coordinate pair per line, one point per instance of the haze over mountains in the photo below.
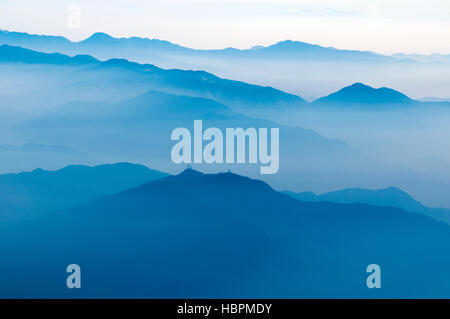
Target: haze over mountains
x,y
44,109
17,158
238,95
98,42
149,119
112,73
288,65
391,196
28,195
141,233
430,58
225,236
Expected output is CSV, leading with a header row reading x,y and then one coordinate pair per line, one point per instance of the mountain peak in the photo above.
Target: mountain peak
x,y
290,44
359,86
224,181
190,172
359,93
99,37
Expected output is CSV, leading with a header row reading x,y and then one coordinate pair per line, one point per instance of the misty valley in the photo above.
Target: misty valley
x,y
170,172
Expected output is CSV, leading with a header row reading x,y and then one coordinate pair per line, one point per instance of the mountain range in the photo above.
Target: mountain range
x,y
114,71
61,98
99,43
32,194
17,158
224,236
149,119
391,196
291,66
198,83
57,105
138,232
425,58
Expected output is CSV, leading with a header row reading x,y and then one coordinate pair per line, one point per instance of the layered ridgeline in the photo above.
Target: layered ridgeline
x,y
139,130
292,66
126,112
17,158
121,79
29,195
224,236
391,196
135,107
105,46
48,84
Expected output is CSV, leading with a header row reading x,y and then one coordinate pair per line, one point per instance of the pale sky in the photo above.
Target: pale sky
x,y
383,26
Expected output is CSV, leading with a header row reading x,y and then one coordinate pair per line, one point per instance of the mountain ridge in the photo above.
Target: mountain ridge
x,y
203,83
38,192
391,196
359,93
281,64
102,37
216,220
356,93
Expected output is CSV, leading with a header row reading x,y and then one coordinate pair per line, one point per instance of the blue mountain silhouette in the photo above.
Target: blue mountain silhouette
x,y
32,194
391,196
215,236
153,106
289,65
361,94
98,44
17,158
53,85
301,50
198,83
21,55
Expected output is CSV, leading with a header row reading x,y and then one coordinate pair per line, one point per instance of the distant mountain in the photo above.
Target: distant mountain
x,y
105,46
291,66
32,194
391,196
423,58
434,99
33,41
302,50
149,119
76,101
152,106
101,40
360,94
144,77
11,54
30,156
224,236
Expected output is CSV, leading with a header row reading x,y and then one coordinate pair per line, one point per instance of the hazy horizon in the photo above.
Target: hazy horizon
x,y
384,27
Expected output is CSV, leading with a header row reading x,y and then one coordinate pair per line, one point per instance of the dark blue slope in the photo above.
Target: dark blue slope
x,y
224,235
